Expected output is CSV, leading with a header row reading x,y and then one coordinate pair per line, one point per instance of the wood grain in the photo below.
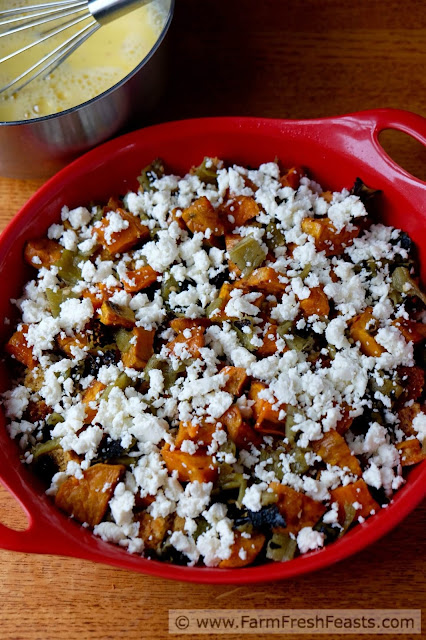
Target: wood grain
x,y
296,60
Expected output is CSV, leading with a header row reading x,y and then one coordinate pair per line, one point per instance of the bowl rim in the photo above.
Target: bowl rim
x,y
364,534
104,94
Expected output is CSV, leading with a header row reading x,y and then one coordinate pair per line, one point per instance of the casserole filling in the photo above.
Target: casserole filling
x,y
221,369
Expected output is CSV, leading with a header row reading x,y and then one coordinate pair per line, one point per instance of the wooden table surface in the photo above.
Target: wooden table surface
x,y
308,58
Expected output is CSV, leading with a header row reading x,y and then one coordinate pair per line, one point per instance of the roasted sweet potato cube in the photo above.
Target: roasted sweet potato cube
x,y
152,530
140,279
61,458
333,449
180,324
269,345
236,379
244,551
87,499
18,348
67,343
42,253
175,217
197,467
37,410
326,237
190,341
356,492
267,418
265,279
201,215
125,239
406,416
242,209
201,433
231,240
98,294
241,433
91,394
316,303
298,509
359,332
412,331
114,315
411,452
345,421
327,196
292,177
141,350
413,381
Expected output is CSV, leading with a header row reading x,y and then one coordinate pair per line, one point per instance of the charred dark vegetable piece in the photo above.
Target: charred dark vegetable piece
x,y
151,173
110,449
364,193
92,363
331,533
262,520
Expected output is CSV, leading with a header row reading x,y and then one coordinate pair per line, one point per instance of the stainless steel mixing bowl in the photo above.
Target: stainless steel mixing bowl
x,y
39,147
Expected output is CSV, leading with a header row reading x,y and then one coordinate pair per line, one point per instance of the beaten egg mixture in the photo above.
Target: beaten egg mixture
x,y
99,63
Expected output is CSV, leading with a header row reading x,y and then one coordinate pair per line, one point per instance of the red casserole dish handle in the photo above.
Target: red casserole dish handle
x,y
44,533
409,123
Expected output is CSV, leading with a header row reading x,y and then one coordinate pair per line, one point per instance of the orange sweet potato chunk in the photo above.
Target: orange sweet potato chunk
x,y
413,381
201,215
202,433
298,509
244,551
236,379
91,394
180,324
411,452
267,418
18,348
241,433
113,315
412,331
292,177
265,279
152,530
125,239
357,492
140,279
345,421
64,342
359,332
99,294
269,345
191,344
231,240
316,303
406,416
42,253
326,237
333,449
87,499
197,467
142,349
242,209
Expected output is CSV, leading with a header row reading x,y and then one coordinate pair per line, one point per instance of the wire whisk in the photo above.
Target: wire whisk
x,y
59,17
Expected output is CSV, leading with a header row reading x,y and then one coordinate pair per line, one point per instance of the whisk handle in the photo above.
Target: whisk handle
x,y
106,10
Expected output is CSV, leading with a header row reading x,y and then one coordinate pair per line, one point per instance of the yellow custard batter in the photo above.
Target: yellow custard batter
x,y
102,61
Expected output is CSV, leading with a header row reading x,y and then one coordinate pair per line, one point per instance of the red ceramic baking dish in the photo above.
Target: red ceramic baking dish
x,y
335,151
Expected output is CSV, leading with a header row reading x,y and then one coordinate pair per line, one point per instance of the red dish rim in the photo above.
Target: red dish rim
x,y
54,532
